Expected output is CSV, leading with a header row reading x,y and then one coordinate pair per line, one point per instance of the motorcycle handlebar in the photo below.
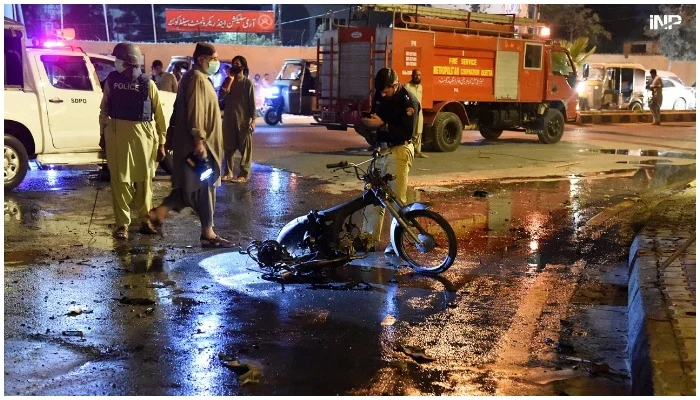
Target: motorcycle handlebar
x,y
341,164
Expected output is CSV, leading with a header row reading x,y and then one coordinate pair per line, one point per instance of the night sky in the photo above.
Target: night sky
x,y
624,22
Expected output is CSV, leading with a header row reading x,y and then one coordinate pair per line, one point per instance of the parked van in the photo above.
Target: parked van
x,y
608,86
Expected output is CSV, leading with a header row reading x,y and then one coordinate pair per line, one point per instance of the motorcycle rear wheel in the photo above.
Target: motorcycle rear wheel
x,y
440,242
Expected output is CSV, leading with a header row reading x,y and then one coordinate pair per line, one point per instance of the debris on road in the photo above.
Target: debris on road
x,y
566,165
481,194
565,348
136,301
74,310
389,320
73,333
418,355
247,372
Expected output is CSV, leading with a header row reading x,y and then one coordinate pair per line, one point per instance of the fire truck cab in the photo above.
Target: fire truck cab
x,y
496,72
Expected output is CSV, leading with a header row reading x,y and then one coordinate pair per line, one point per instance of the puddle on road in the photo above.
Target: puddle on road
x,y
643,153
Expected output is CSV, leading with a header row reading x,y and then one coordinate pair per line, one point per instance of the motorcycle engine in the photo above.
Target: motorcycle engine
x,y
270,253
346,247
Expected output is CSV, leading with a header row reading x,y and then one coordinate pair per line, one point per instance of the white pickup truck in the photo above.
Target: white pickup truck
x,y
52,105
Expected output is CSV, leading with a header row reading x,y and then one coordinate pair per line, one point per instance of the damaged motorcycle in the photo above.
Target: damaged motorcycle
x,y
329,238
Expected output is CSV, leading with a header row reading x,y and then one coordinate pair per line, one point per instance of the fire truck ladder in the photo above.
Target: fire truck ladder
x,y
409,15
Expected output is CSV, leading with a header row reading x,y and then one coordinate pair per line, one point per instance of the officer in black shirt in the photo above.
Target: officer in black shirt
x,y
394,115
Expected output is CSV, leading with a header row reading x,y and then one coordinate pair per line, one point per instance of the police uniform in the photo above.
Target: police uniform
x,y
396,133
127,112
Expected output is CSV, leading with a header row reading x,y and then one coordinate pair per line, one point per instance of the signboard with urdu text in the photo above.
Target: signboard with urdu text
x,y
219,21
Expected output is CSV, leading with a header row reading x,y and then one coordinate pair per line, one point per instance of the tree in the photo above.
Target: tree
x,y
569,21
131,22
577,49
677,43
87,19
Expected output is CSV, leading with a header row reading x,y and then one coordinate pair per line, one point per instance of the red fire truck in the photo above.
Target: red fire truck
x,y
494,71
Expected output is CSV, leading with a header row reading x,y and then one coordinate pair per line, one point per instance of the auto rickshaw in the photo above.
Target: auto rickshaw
x,y
607,86
292,92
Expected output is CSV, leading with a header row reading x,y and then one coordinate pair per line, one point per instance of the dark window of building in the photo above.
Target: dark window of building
x,y
639,48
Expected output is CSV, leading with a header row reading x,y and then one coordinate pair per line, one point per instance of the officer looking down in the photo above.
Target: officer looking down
x,y
394,114
131,142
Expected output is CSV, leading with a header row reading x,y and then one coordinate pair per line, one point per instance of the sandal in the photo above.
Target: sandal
x,y
215,242
122,233
240,179
227,178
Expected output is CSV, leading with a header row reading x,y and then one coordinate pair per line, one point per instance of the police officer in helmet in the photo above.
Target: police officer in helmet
x,y
394,115
129,138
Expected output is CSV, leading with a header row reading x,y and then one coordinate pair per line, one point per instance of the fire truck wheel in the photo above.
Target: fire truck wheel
x,y
447,132
553,127
490,133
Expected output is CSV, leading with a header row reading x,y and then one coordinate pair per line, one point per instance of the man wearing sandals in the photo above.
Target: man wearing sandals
x,y
127,135
197,130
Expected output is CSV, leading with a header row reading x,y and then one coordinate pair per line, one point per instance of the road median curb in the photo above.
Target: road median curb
x,y
623,117
661,307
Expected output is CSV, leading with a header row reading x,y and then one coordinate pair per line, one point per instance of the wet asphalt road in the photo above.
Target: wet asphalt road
x,y
535,304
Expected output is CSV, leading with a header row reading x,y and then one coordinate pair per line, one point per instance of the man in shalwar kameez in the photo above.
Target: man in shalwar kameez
x,y
133,145
197,130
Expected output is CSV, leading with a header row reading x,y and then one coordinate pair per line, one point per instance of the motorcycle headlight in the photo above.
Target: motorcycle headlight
x,y
270,91
581,88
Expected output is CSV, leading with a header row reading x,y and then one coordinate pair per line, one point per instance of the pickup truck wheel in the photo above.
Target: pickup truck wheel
x,y
369,135
447,132
271,117
167,163
490,133
553,127
16,162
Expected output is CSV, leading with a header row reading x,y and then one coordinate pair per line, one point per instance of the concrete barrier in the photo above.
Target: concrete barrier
x,y
629,117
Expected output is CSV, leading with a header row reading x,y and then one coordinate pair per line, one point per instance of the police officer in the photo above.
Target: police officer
x,y
132,143
395,115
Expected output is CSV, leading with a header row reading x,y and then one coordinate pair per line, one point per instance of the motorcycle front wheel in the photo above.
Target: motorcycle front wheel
x,y
438,247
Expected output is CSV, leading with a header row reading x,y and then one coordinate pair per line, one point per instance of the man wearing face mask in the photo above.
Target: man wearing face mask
x,y
127,135
394,114
239,121
197,132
